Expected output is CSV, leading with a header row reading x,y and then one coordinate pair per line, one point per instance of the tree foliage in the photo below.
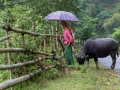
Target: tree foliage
x,y
87,28
99,25
25,14
116,34
112,23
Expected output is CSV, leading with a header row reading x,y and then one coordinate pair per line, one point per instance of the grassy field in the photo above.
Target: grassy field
x,y
81,79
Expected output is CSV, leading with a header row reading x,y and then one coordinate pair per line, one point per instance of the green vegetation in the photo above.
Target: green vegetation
x,y
116,34
80,79
98,18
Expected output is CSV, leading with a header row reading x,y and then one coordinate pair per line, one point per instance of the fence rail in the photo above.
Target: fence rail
x,y
4,38
7,27
4,67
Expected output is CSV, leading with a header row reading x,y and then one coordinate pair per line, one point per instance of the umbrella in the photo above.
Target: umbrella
x,y
61,16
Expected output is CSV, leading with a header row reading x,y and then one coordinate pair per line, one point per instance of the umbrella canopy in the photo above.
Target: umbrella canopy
x,y
61,16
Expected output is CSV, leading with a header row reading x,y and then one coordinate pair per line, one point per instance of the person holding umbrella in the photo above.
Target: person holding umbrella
x,y
67,36
67,40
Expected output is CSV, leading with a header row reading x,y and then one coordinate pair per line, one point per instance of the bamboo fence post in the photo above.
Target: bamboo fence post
x,y
56,37
44,42
50,39
9,57
22,36
51,36
53,45
44,31
23,40
24,69
34,30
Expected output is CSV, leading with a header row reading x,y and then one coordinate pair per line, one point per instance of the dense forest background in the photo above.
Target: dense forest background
x,y
98,18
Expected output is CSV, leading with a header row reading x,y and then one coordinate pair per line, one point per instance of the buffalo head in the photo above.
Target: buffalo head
x,y
80,58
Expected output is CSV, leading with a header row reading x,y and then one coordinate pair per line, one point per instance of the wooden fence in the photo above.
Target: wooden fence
x,y
25,49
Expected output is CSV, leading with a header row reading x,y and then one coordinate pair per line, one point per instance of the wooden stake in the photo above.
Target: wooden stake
x,y
9,58
51,36
45,47
50,39
44,42
24,53
23,40
53,45
56,38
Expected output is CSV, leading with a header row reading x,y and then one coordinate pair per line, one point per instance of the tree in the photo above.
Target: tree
x,y
112,23
29,12
116,34
87,28
101,17
117,9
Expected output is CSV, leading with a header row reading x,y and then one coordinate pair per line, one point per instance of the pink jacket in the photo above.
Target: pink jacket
x,y
67,36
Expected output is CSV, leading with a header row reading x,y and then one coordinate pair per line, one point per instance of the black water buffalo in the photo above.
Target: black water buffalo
x,y
98,48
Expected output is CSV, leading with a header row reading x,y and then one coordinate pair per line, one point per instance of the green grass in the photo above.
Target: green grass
x,y
82,79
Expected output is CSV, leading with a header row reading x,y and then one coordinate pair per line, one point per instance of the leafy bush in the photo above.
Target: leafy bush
x,y
52,73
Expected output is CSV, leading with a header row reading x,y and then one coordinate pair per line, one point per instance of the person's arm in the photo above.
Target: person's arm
x,y
68,43
70,36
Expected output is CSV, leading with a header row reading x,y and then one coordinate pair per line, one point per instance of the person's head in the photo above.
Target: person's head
x,y
64,24
72,31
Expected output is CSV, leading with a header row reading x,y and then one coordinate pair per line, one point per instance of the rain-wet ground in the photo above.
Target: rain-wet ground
x,y
107,61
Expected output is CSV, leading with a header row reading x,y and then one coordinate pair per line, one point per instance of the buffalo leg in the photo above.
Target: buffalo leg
x,y
113,56
87,62
96,62
113,63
